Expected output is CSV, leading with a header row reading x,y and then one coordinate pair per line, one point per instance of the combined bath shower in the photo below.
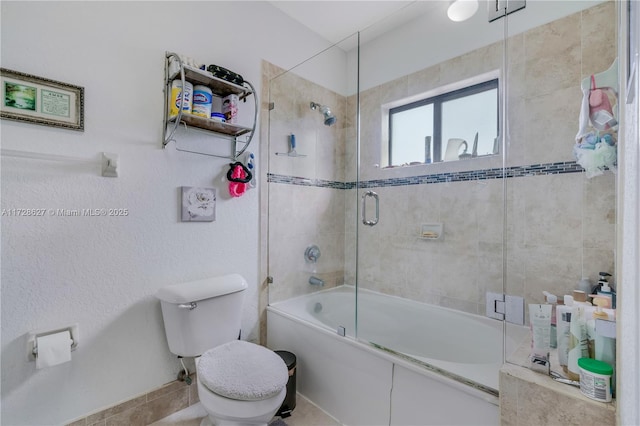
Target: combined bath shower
x,y
329,118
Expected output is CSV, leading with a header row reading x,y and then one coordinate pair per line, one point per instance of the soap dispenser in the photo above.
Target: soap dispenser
x,y
602,277
606,290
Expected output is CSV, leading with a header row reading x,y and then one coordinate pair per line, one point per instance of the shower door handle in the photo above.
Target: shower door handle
x,y
364,208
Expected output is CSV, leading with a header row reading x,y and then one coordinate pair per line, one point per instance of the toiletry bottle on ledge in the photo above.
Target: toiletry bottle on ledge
x,y
586,286
605,334
598,313
578,342
603,282
606,290
563,314
552,299
581,298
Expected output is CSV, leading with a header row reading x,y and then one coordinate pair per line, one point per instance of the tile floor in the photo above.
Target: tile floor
x,y
305,414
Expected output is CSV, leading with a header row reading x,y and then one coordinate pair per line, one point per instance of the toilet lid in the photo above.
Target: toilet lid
x,y
243,371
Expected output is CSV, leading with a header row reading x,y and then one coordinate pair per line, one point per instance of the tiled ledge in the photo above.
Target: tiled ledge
x,y
147,408
530,398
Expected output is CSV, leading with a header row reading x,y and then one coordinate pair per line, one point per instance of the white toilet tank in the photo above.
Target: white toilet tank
x,y
200,315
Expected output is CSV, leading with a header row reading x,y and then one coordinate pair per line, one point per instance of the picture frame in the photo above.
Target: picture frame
x,y
31,99
198,204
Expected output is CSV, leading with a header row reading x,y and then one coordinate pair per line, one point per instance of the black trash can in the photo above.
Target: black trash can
x,y
289,402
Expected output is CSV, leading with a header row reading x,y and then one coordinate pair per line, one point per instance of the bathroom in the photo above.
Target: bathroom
x,y
103,272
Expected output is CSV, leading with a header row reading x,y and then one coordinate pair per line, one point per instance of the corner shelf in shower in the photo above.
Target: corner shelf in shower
x,y
214,128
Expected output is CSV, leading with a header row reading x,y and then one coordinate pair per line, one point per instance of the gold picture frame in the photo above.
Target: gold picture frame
x,y
32,99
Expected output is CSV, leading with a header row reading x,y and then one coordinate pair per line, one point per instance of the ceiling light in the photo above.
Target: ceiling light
x,y
461,10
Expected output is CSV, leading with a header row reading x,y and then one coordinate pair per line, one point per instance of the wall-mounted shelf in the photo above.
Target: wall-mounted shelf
x,y
214,128
212,125
219,86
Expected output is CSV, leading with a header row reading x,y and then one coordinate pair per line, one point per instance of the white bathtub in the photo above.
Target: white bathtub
x,y
431,347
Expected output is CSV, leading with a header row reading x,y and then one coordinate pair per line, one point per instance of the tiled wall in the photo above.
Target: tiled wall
x,y
147,408
555,227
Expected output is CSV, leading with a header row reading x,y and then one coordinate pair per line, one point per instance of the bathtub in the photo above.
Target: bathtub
x,y
403,349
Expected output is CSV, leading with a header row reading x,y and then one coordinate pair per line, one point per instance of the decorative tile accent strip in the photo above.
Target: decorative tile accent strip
x,y
294,180
498,173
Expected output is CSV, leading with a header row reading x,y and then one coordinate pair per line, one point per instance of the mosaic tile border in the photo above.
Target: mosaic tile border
x,y
471,175
321,183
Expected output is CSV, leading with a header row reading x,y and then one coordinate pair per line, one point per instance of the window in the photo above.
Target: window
x,y
455,125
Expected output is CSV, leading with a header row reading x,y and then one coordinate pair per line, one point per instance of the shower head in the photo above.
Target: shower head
x,y
329,118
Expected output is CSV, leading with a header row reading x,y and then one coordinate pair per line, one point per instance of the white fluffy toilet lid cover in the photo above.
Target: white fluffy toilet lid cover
x,y
243,371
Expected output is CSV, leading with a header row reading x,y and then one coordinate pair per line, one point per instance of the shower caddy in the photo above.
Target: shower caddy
x,y
220,88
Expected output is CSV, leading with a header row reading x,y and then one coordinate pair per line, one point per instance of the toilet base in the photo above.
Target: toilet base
x,y
207,422
228,412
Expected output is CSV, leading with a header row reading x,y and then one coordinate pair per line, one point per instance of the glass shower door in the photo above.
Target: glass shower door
x,y
430,194
309,250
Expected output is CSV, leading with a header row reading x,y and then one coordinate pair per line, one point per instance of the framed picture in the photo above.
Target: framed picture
x,y
38,100
198,204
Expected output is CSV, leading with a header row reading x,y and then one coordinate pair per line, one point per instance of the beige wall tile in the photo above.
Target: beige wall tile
x,y
599,212
109,412
599,42
553,206
554,269
144,409
424,80
551,126
553,38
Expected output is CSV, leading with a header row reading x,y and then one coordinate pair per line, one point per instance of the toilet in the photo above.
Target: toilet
x,y
239,383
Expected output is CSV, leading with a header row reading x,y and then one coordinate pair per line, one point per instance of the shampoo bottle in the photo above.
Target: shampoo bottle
x,y
578,342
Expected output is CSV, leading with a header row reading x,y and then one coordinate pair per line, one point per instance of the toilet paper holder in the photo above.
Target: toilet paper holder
x,y
32,346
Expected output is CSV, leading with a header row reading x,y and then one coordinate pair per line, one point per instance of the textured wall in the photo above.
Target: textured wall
x,y
103,272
